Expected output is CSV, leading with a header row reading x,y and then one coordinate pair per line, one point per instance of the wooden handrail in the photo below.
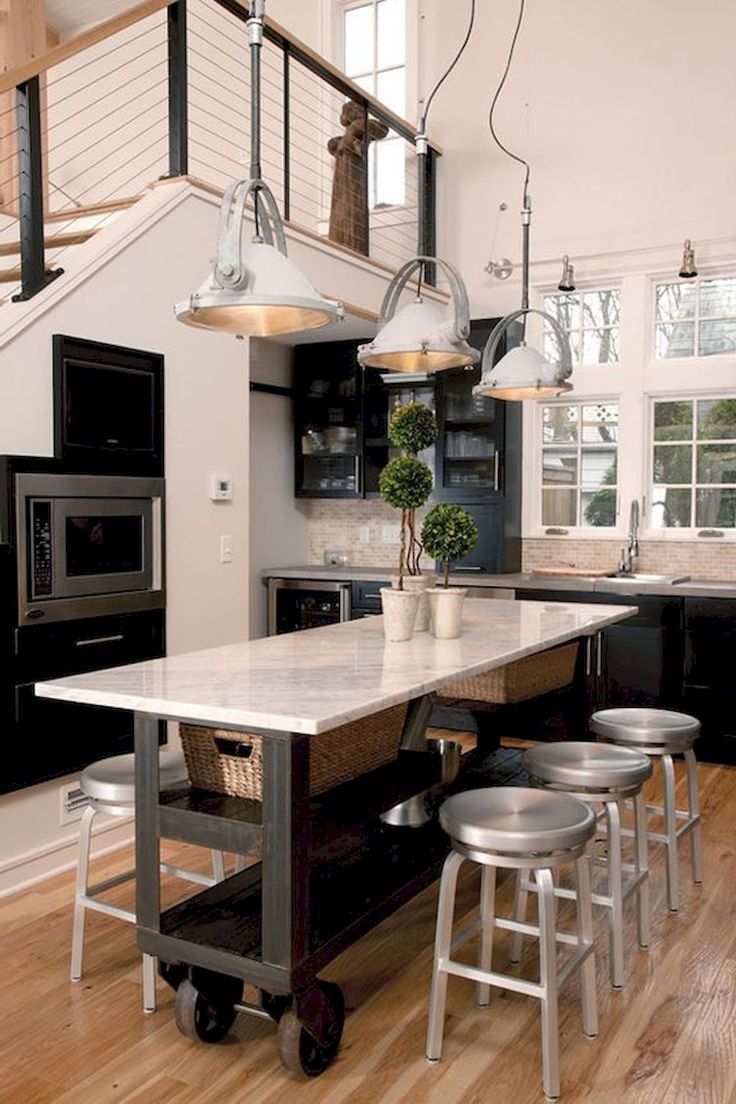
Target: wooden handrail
x,y
275,32
78,43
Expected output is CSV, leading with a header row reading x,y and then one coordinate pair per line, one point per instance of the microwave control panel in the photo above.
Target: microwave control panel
x,y
41,583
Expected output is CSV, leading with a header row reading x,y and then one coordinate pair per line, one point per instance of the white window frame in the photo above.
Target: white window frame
x,y
612,285
696,358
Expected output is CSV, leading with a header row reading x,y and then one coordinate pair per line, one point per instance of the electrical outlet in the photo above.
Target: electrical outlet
x,y
364,534
336,557
391,534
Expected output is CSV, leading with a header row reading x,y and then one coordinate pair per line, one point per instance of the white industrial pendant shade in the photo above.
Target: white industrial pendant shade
x,y
523,373
423,336
255,290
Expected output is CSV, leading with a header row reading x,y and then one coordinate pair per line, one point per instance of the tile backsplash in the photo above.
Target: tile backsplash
x,y
336,524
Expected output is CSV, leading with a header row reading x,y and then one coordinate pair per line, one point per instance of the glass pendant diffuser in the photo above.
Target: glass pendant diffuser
x,y
422,336
255,290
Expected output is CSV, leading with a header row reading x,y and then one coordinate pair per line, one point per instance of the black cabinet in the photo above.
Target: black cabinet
x,y
328,398
709,684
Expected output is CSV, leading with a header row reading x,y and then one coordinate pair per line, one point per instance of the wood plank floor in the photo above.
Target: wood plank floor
x,y
669,1037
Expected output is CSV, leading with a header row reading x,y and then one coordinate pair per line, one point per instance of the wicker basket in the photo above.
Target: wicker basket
x,y
525,678
232,762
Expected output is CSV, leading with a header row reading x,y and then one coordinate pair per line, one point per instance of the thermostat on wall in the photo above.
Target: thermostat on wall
x,y
221,489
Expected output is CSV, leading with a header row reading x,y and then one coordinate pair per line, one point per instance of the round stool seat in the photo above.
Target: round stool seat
x,y
515,820
113,780
655,728
587,765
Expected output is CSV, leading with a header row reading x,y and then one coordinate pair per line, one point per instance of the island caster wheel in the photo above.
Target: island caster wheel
x,y
300,1052
203,1017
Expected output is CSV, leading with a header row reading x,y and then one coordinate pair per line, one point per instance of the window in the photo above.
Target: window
x,y
695,318
374,53
579,464
694,464
591,321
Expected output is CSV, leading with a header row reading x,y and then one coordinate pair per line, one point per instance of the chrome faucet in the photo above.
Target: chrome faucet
x,y
631,552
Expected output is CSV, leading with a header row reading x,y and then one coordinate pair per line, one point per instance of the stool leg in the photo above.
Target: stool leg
x,y
487,924
670,821
443,940
521,896
588,996
615,892
693,804
642,867
548,978
149,983
82,882
218,866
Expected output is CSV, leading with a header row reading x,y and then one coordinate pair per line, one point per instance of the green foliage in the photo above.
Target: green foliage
x,y
601,506
405,483
412,427
449,533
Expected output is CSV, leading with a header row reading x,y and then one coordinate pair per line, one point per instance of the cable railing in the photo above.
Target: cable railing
x,y
167,95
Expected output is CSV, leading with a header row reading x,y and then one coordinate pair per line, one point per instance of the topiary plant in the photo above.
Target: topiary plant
x,y
449,533
412,427
405,483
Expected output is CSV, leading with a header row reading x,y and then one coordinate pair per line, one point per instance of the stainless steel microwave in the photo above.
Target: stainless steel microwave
x,y
87,545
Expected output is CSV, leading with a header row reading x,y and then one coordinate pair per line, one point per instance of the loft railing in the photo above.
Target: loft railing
x,y
163,92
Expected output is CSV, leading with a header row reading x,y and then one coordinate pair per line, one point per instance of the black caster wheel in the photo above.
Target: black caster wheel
x,y
300,1052
173,973
274,1004
199,1016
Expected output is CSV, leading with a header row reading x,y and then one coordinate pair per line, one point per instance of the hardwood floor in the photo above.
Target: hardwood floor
x,y
669,1037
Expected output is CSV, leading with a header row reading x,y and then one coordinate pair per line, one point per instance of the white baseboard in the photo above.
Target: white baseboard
x,y
26,870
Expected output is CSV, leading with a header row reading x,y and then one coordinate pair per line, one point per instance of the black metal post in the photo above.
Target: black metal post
x,y
176,23
34,275
366,183
147,857
287,133
426,208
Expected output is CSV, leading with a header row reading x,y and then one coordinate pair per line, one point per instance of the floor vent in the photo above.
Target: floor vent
x,y
73,802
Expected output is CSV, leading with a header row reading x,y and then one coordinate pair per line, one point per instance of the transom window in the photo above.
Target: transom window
x,y
694,464
696,318
579,464
591,320
374,53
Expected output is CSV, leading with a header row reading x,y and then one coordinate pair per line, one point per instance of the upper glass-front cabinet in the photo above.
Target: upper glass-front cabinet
x,y
471,439
327,402
383,392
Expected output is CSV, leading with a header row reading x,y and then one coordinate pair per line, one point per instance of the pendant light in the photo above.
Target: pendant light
x,y
423,337
255,290
523,373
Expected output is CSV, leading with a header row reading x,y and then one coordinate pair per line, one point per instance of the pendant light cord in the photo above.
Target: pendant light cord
x,y
499,90
445,75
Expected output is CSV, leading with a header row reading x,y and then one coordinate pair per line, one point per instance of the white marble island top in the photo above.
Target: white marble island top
x,y
312,681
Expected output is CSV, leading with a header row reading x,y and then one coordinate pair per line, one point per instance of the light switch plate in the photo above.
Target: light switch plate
x,y
226,548
364,534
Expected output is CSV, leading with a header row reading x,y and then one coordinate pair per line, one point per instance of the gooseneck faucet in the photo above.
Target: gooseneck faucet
x,y
631,552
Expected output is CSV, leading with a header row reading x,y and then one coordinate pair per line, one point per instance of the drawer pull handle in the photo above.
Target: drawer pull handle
x,y
115,639
376,596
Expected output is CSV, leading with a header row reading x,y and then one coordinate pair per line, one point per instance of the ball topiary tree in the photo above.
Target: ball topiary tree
x,y
449,533
412,427
406,484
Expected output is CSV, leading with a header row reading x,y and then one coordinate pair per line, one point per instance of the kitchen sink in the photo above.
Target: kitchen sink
x,y
641,577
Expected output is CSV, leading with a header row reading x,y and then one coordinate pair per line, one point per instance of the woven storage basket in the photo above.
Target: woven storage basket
x,y
525,678
334,757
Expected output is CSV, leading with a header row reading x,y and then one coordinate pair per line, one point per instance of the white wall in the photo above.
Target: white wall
x,y
129,302
278,520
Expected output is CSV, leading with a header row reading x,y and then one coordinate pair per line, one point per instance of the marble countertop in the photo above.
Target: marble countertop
x,y
701,588
312,681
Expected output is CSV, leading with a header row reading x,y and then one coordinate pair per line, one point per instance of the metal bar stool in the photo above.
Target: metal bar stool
x,y
662,734
604,775
519,829
110,786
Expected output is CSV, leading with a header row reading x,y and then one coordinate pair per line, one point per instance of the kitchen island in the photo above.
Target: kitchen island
x,y
329,868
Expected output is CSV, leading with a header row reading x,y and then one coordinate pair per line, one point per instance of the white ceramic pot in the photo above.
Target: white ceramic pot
x,y
445,611
399,612
420,583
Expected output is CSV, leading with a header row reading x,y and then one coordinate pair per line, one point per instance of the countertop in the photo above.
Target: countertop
x,y
312,681
700,588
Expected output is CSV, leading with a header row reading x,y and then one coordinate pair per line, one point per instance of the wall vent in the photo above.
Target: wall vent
x,y
73,802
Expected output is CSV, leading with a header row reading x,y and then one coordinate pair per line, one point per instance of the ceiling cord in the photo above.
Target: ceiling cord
x,y
502,82
445,75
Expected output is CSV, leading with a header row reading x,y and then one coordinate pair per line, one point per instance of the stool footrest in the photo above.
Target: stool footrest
x,y
107,909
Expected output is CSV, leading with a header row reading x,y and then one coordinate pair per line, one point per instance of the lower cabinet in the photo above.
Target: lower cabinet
x,y
709,682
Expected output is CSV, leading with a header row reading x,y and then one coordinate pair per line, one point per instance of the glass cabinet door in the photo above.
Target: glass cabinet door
x,y
380,400
328,433
471,439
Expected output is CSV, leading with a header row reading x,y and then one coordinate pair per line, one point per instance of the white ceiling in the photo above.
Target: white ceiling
x,y
69,17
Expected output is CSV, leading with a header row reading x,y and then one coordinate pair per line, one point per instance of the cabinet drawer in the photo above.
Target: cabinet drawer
x,y
70,647
367,596
710,614
654,612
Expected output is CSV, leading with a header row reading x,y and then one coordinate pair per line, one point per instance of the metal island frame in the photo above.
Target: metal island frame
x,y
330,868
